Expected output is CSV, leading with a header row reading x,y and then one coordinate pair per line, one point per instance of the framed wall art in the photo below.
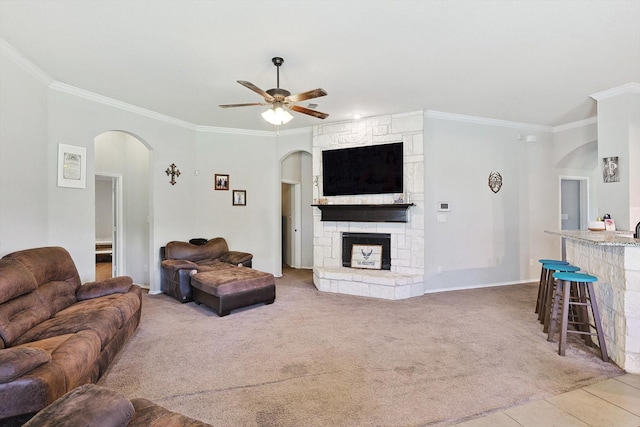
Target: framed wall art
x,y
610,171
221,182
72,166
239,198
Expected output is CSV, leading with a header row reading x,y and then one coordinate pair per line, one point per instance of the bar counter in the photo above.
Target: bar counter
x,y
614,258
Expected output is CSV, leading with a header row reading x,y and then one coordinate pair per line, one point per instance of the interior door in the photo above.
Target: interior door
x,y
570,204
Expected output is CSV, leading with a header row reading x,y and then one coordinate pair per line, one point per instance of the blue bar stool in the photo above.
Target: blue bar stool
x,y
544,278
582,299
550,288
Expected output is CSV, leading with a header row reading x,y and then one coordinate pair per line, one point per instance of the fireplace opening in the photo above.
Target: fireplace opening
x,y
372,250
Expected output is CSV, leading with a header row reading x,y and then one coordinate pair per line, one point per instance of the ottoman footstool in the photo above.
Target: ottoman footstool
x,y
227,287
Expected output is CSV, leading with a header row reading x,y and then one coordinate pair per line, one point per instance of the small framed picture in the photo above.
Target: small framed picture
x,y
72,166
239,198
221,182
610,171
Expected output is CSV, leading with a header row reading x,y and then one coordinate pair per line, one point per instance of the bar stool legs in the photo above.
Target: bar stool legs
x,y
550,290
544,279
581,299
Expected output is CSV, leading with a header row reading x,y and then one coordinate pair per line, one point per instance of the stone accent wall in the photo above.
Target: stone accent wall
x,y
406,277
618,295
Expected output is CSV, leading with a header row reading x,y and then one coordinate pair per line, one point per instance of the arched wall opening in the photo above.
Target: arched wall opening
x,y
124,158
296,246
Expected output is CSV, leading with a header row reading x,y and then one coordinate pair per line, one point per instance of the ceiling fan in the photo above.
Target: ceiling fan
x,y
279,99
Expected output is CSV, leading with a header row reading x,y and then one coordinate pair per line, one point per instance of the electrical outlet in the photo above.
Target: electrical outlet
x,y
439,269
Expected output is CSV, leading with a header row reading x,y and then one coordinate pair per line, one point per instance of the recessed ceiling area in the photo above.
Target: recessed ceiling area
x,y
530,61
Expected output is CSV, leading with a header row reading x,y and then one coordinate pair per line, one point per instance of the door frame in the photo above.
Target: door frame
x,y
117,265
584,199
296,222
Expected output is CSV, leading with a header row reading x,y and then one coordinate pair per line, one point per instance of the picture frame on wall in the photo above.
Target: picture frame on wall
x,y
72,166
610,171
239,198
221,182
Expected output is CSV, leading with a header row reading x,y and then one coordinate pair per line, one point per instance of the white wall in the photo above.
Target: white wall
x,y
252,165
26,165
488,238
618,132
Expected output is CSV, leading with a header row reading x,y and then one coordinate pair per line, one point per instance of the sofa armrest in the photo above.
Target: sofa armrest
x,y
87,405
237,258
179,264
15,362
114,285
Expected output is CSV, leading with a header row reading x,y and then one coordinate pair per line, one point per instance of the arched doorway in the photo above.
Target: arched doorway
x,y
296,211
123,161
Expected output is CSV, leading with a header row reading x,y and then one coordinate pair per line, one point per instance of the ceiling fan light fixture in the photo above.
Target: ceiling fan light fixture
x,y
277,115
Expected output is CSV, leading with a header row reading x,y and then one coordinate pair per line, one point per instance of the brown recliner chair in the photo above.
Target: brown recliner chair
x,y
179,260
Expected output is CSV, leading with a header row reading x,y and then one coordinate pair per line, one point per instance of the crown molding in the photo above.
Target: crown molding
x,y
632,87
24,63
575,125
485,121
91,96
251,132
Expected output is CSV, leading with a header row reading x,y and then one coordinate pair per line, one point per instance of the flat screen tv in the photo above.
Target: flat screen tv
x,y
374,169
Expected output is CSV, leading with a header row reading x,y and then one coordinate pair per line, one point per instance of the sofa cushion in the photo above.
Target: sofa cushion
x,y
227,279
127,304
213,249
56,295
88,405
19,315
48,264
114,285
15,279
15,362
105,323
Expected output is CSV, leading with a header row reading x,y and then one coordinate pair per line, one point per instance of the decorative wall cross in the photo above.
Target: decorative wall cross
x,y
174,172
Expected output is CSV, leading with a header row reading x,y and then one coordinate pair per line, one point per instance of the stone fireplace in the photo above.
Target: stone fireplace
x,y
403,275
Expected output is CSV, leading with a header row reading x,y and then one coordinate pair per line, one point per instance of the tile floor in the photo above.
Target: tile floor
x,y
611,403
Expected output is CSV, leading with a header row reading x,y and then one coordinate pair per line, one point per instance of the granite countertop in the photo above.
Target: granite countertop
x,y
610,238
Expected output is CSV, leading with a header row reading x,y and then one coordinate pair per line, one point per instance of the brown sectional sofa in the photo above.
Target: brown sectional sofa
x,y
55,333
179,260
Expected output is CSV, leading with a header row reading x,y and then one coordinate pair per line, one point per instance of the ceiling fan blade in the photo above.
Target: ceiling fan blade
x,y
256,89
315,93
241,105
308,111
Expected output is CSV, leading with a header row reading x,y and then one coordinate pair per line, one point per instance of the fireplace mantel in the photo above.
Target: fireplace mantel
x,y
396,212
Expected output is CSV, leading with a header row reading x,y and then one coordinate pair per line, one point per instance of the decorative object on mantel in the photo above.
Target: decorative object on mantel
x,y
398,199
173,172
323,201
495,181
610,169
316,183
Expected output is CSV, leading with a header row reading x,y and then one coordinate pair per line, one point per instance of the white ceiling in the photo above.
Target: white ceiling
x,y
531,61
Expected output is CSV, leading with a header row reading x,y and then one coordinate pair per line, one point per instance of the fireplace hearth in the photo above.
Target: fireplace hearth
x,y
350,239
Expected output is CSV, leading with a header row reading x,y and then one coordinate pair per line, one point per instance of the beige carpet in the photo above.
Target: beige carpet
x,y
318,359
